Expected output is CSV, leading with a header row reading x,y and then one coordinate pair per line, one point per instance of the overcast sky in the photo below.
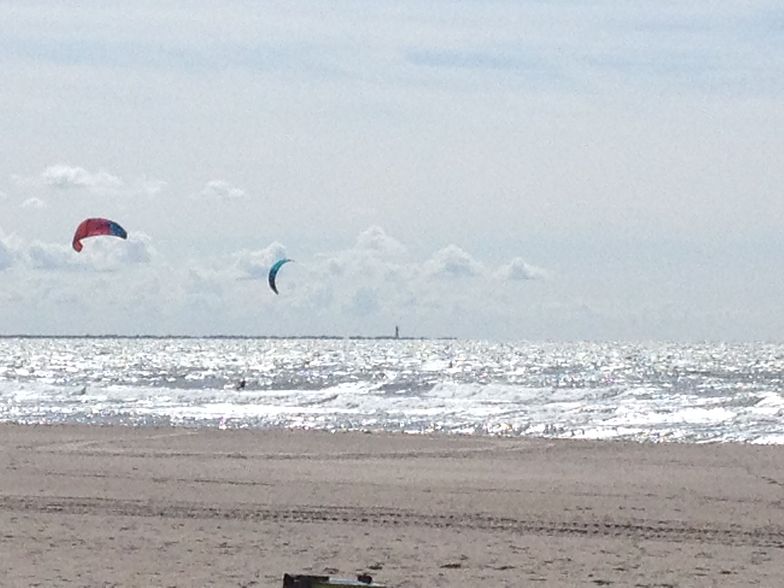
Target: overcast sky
x,y
514,170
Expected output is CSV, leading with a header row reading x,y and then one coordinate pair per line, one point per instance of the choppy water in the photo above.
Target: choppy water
x,y
583,390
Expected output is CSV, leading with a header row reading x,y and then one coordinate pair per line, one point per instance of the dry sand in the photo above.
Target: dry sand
x,y
99,506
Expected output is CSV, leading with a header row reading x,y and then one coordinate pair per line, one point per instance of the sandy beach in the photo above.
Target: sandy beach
x,y
105,506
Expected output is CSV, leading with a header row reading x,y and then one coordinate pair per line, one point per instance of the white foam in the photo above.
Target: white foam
x,y
770,439
582,390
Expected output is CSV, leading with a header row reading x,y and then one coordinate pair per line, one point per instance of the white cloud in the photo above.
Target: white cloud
x,y
256,264
6,255
34,203
376,240
152,187
138,249
452,261
65,176
221,190
332,265
103,254
375,255
51,256
364,302
109,254
11,250
3,196
519,269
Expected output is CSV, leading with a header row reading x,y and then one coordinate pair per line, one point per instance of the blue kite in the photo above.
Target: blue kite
x,y
274,272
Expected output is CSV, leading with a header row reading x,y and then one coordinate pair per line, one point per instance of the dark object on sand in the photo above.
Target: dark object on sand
x,y
302,581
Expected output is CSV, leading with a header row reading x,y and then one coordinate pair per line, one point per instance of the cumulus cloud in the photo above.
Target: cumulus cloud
x,y
362,289
332,265
376,240
221,190
100,254
256,264
373,256
452,261
10,248
109,254
51,256
519,269
137,250
34,203
364,302
6,255
66,177
152,187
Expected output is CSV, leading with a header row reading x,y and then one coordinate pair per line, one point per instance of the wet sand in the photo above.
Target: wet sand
x,y
97,506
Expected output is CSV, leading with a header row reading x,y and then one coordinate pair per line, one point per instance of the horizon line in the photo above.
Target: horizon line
x,y
225,336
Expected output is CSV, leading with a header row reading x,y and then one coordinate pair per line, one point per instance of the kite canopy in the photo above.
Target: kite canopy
x,y
274,272
92,227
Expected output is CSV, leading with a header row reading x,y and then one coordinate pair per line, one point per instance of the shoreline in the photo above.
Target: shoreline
x,y
190,426
191,506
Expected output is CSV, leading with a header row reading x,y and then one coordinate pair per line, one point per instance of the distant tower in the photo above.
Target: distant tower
x,y
397,332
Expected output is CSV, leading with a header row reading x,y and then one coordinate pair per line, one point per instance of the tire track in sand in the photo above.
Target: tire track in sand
x,y
670,531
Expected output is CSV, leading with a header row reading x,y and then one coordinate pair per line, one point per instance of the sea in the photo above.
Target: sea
x,y
648,392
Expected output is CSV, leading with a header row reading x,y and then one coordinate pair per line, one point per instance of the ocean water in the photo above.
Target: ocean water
x,y
645,392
